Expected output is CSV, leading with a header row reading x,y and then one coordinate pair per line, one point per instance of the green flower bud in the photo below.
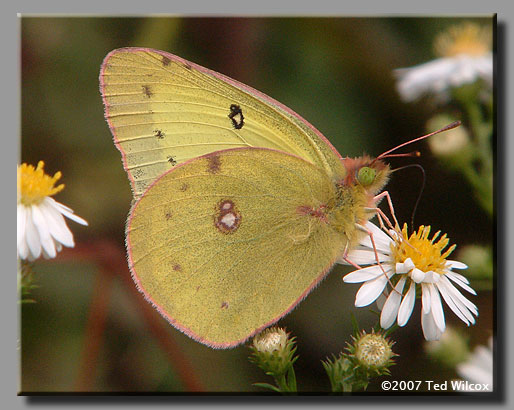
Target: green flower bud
x,y
373,351
273,351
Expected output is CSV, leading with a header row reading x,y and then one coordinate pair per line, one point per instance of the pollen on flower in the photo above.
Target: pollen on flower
x,y
426,254
34,185
468,38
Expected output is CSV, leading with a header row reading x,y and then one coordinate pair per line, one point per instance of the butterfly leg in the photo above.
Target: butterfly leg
x,y
348,261
380,214
377,198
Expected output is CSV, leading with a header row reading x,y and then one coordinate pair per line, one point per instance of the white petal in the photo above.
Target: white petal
x,y
381,300
21,221
417,275
57,225
475,374
417,80
436,308
483,358
365,257
425,299
430,330
58,205
429,277
32,237
451,275
459,299
407,305
455,265
381,239
479,368
41,224
438,75
390,309
460,311
365,274
75,218
405,267
462,278
432,277
68,212
370,291
23,249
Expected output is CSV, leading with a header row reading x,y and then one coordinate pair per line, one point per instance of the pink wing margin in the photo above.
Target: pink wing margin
x,y
204,70
166,315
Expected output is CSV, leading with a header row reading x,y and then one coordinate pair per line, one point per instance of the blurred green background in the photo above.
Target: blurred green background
x,y
336,73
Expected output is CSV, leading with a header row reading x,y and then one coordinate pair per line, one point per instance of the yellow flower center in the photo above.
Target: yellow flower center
x,y
426,254
467,38
34,185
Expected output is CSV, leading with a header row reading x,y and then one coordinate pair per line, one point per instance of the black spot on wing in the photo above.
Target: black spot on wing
x,y
236,116
172,160
159,134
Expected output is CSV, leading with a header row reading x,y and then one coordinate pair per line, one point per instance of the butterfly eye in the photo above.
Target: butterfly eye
x,y
366,176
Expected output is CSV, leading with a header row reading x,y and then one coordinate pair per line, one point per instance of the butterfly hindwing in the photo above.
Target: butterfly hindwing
x,y
223,245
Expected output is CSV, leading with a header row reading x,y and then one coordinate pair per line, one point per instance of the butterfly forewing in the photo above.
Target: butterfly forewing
x,y
164,110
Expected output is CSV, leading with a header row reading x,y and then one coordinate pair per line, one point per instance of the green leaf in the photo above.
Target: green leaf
x,y
291,379
268,386
355,326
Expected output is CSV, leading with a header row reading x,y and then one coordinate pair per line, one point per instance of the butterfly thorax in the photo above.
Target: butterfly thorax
x,y
348,209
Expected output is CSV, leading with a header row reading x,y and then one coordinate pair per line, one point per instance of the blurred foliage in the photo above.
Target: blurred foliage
x,y
335,72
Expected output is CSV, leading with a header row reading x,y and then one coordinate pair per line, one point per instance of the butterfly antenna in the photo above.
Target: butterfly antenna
x,y
420,191
386,154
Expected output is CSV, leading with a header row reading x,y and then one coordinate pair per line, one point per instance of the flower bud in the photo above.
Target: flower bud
x,y
273,351
373,351
270,340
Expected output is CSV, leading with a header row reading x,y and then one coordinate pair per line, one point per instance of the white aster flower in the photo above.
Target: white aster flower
x,y
41,227
479,367
464,56
412,263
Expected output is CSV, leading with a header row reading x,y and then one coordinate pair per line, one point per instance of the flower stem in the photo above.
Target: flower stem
x,y
479,169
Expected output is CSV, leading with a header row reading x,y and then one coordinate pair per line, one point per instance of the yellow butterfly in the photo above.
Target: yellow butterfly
x,y
241,207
